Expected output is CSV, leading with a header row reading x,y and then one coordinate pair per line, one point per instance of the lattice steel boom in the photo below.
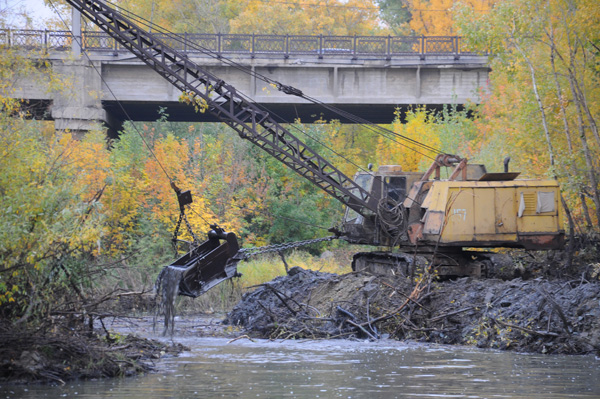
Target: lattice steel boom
x,y
223,101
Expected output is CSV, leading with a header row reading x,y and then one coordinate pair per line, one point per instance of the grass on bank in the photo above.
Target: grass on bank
x,y
133,277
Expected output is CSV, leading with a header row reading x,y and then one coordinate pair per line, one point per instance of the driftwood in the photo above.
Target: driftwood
x,y
434,319
524,329
240,337
414,295
566,325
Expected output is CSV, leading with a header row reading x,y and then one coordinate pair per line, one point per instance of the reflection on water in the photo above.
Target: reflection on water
x,y
342,369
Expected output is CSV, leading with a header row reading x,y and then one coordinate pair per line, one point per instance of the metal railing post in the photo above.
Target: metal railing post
x,y
287,46
252,46
422,54
320,46
219,44
185,41
389,48
46,40
76,30
456,48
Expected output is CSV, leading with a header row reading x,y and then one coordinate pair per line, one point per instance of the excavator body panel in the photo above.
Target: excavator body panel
x,y
517,213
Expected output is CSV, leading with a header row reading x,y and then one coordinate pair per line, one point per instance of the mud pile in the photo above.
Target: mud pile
x,y
70,352
525,315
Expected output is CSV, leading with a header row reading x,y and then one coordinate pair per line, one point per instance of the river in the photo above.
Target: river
x,y
217,368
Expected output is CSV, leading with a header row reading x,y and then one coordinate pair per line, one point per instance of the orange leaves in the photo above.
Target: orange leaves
x,y
172,159
93,163
157,194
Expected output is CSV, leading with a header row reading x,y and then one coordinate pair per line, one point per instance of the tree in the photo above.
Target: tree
x,y
195,16
420,127
396,14
545,91
50,217
427,17
306,17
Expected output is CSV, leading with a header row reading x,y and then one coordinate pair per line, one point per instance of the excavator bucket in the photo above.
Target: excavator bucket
x,y
209,264
205,266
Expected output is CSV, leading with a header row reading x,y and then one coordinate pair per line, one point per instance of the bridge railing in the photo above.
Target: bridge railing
x,y
250,44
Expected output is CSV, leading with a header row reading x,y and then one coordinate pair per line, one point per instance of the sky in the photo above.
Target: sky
x,y
35,8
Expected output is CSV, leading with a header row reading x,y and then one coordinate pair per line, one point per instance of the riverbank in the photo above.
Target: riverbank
x,y
550,315
69,351
558,316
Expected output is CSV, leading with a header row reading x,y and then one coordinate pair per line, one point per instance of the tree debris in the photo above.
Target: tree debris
x,y
525,315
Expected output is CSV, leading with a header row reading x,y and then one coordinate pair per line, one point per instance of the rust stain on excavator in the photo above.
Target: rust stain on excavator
x,y
543,241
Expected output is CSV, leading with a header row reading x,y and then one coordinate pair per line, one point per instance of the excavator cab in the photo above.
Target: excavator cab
x,y
388,188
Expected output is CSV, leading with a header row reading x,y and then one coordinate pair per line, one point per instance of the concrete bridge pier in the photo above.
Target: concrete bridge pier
x,y
77,106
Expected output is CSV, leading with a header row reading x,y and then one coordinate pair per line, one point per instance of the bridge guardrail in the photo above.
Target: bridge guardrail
x,y
251,44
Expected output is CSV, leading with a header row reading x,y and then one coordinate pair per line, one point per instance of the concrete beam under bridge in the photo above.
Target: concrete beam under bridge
x,y
110,87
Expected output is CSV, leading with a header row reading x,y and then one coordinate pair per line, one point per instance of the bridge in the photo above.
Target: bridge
x,y
368,76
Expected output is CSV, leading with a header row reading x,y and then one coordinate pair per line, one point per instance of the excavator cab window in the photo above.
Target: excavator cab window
x,y
364,180
395,188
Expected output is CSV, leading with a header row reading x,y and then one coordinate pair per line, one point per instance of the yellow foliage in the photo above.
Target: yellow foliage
x,y
419,127
47,186
307,17
200,105
436,17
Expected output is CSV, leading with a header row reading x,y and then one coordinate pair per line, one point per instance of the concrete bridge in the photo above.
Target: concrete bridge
x,y
370,77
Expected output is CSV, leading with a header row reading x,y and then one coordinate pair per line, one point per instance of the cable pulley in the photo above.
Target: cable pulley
x,y
290,90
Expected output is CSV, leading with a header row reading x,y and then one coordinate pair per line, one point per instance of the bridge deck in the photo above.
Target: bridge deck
x,y
371,77
204,44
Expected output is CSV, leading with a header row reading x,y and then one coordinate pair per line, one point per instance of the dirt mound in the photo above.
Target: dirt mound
x,y
533,316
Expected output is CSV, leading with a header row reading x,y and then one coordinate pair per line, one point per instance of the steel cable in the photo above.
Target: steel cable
x,y
285,88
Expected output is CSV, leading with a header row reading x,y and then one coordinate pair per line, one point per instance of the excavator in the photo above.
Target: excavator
x,y
448,222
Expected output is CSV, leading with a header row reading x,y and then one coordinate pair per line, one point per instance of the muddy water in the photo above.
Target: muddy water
x,y
342,369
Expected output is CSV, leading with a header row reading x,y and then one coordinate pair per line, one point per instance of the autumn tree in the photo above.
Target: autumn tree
x,y
296,209
197,16
396,150
427,17
50,184
352,147
51,218
306,17
396,14
544,103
